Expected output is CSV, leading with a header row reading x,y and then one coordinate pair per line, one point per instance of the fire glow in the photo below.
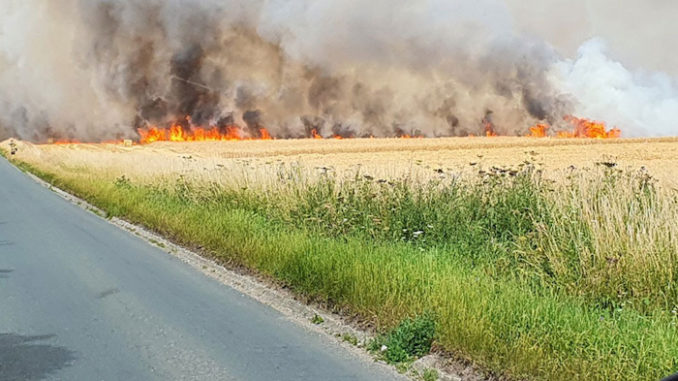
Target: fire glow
x,y
177,133
581,129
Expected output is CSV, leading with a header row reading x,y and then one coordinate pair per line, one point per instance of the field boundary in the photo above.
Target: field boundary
x,y
334,328
493,143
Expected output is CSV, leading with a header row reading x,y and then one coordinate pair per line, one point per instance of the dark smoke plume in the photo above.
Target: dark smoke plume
x,y
98,70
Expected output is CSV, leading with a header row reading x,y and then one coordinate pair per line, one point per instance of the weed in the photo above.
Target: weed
x,y
317,319
412,338
123,182
157,243
349,338
429,375
403,367
96,211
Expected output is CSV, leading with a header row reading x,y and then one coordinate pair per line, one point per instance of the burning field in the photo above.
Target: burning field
x,y
188,132
389,161
539,258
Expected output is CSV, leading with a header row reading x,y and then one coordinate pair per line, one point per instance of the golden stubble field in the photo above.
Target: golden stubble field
x,y
255,161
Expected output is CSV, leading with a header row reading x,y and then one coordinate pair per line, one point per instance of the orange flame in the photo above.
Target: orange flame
x,y
177,133
408,136
66,141
489,130
265,135
583,128
538,131
315,134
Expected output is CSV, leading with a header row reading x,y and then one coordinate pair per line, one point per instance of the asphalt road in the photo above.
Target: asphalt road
x,y
81,299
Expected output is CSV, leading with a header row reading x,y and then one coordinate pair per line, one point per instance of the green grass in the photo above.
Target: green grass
x,y
411,339
317,319
349,338
429,375
513,278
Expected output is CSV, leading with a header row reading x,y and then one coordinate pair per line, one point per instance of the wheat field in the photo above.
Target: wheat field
x,y
254,161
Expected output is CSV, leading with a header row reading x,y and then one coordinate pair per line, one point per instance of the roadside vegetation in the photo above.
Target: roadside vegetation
x,y
524,276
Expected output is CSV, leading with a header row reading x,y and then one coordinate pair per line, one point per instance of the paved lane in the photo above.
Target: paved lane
x,y
81,299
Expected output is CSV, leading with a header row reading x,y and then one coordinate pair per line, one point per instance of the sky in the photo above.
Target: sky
x,y
640,33
99,69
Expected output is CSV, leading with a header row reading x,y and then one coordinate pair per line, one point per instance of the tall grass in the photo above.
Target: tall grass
x,y
524,276
605,234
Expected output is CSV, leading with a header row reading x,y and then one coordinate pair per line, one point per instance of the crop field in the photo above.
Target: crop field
x,y
387,158
553,259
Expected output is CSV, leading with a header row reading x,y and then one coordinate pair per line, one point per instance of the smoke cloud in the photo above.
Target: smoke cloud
x,y
642,103
98,70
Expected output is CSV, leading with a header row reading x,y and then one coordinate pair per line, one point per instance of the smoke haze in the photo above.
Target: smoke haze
x,y
97,70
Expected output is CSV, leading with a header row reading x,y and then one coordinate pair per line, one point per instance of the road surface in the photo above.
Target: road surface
x,y
81,299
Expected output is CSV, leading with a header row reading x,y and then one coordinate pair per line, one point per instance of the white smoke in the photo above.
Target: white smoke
x,y
640,103
43,88
96,70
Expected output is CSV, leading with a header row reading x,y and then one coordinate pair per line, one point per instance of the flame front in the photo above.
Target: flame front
x,y
582,128
489,129
185,131
315,134
177,133
585,128
538,131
